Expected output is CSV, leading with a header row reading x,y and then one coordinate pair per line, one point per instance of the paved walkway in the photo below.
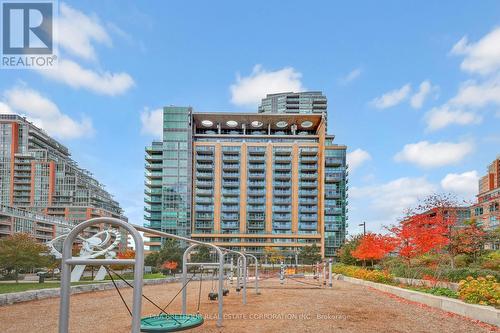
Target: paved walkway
x,y
293,308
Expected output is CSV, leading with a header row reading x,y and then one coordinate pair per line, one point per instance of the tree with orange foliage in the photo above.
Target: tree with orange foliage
x,y
373,247
426,228
126,254
170,265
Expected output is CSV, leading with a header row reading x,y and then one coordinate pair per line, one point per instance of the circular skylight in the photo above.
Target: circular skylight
x,y
207,123
257,123
231,123
282,124
306,124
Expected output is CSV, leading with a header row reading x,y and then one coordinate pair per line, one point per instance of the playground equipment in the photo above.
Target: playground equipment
x,y
162,322
92,247
211,295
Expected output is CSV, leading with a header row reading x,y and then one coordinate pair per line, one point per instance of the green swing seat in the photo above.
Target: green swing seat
x,y
170,322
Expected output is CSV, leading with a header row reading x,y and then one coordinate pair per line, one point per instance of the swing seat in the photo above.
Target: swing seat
x,y
225,292
213,296
170,323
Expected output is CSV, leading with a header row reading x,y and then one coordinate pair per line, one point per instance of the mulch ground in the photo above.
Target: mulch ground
x,y
293,307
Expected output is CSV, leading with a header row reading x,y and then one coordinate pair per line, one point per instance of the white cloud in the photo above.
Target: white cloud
x,y
482,57
351,76
72,74
443,116
392,98
152,122
357,157
78,31
45,114
428,155
388,201
477,95
463,184
425,89
249,90
5,109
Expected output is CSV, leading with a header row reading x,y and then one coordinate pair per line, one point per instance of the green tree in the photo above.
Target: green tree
x,y
170,251
22,252
310,254
273,255
201,255
152,259
345,252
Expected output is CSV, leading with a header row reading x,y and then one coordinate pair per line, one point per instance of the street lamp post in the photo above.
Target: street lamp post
x,y
364,227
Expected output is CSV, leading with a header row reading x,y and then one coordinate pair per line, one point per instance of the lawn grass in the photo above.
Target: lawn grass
x,y
24,286
17,287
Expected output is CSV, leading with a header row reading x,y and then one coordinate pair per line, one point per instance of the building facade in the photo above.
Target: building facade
x,y
487,209
37,174
44,228
248,181
302,102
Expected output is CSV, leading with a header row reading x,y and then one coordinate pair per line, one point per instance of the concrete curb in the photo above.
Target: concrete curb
x,y
31,295
487,314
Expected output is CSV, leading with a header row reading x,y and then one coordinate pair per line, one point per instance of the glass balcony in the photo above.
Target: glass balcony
x,y
253,200
256,217
309,184
254,208
333,161
308,176
230,167
282,192
282,226
229,209
259,193
227,192
309,217
203,225
226,183
282,175
204,192
308,159
256,184
204,175
204,166
256,158
311,193
282,167
203,199
230,225
231,175
204,216
204,208
256,167
256,175
204,183
307,227
256,225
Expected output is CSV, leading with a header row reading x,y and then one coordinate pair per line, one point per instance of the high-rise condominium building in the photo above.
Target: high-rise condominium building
x,y
302,102
487,209
38,174
248,180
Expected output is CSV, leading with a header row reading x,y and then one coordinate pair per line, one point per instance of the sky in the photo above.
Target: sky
x,y
413,87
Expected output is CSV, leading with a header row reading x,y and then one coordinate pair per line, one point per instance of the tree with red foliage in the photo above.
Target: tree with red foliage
x,y
373,247
126,254
468,240
170,265
426,228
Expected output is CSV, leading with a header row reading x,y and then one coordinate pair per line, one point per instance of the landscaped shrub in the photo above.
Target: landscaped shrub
x,y
483,290
438,291
491,261
364,274
458,274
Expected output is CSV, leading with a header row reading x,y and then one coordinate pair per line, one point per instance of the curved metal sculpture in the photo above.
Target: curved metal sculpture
x,y
99,244
68,261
